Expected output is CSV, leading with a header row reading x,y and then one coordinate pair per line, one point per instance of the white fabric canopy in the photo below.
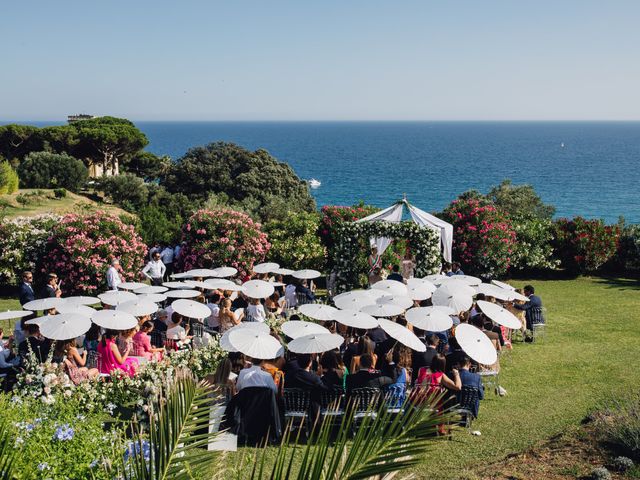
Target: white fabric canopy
x,y
420,217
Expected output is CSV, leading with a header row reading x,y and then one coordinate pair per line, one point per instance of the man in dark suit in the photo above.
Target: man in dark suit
x,y
298,374
51,289
26,293
532,309
366,377
423,359
470,379
395,275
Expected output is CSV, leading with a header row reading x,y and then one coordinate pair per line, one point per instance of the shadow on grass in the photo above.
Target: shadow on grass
x,y
619,283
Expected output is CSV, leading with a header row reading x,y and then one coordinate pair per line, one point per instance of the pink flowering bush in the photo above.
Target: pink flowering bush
x,y
483,237
223,237
81,248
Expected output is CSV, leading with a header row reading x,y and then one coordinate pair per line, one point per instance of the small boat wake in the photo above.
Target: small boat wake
x,y
313,183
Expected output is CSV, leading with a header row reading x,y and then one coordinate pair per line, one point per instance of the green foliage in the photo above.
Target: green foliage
x,y
8,178
60,192
148,166
7,453
520,201
255,181
618,424
585,245
628,255
16,141
533,249
294,241
126,190
51,170
156,227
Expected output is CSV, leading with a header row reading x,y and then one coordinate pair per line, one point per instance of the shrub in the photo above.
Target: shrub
x,y
533,248
52,170
294,241
125,190
628,255
483,237
80,249
22,244
600,473
223,237
333,215
8,178
520,201
585,245
622,464
619,425
60,193
156,227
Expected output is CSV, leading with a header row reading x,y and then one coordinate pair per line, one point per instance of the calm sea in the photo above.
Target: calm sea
x,y
583,168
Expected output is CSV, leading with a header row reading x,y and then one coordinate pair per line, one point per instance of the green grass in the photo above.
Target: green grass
x,y
8,304
590,354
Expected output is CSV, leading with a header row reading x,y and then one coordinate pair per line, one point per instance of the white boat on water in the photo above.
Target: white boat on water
x,y
313,183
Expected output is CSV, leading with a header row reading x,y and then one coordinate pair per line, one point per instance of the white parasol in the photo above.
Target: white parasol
x,y
267,267
114,297
436,279
445,309
494,291
504,285
191,309
150,289
455,295
201,273
138,307
175,285
82,300
70,308
131,285
355,319
318,311
429,319
254,344
223,272
315,343
420,291
306,274
476,344
114,319
399,300
179,276
153,297
353,302
499,314
299,328
223,284
11,314
182,294
468,279
224,339
65,326
199,284
257,289
283,271
391,287
382,310
43,304
402,334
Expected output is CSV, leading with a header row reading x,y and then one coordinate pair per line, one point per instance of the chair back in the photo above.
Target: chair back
x,y
197,329
364,399
301,299
92,359
468,398
296,400
157,338
331,399
394,395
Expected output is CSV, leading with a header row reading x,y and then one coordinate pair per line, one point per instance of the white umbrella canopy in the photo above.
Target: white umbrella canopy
x,y
131,285
382,310
191,309
283,271
138,307
494,291
355,319
499,314
177,285
399,300
452,294
420,291
429,319
182,294
179,276
299,328
153,297
82,300
13,314
315,343
476,344
114,319
352,302
199,284
38,320
149,289
65,326
258,289
43,304
391,287
419,281
267,267
318,311
504,285
70,308
436,279
223,284
115,297
518,296
468,279
402,334
446,309
306,274
224,339
200,272
223,272
254,343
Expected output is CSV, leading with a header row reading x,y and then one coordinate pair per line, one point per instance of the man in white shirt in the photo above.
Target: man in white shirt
x,y
113,276
254,376
213,321
155,270
167,258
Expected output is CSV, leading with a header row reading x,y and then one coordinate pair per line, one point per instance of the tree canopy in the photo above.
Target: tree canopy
x,y
520,201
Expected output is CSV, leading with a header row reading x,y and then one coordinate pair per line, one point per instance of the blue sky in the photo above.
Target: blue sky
x,y
323,60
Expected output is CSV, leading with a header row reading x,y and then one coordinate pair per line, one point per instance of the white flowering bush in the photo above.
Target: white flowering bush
x,y
424,244
22,244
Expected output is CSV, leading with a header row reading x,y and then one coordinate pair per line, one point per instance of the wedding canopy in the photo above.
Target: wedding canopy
x,y
419,217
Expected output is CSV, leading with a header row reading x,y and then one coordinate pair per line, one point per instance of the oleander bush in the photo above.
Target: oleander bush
x,y
628,254
295,243
81,247
584,246
52,170
223,237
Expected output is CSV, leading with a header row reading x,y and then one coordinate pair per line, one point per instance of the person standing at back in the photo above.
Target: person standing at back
x,y
155,269
26,293
51,289
167,257
113,276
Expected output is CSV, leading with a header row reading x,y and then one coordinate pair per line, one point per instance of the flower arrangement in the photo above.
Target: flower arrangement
x,y
334,215
223,237
22,244
80,249
483,237
585,245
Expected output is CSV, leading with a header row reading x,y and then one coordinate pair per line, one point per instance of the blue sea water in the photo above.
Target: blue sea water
x,y
596,174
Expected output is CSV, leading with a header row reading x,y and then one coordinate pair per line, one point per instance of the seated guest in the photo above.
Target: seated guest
x,y
91,339
142,343
175,330
299,374
399,367
67,354
124,341
306,291
255,376
110,357
255,311
239,302
366,346
377,335
433,377
334,373
395,274
40,346
272,304
223,378
478,321
227,317
424,359
533,309
470,379
273,367
213,321
455,270
290,296
366,376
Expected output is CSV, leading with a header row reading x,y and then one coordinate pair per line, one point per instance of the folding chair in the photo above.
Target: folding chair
x,y
538,331
363,403
467,400
296,408
197,329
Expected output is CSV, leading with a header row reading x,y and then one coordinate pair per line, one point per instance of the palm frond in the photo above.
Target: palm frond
x,y
7,453
178,435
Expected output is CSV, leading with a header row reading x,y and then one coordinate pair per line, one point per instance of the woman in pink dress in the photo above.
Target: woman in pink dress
x,y
110,357
142,343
